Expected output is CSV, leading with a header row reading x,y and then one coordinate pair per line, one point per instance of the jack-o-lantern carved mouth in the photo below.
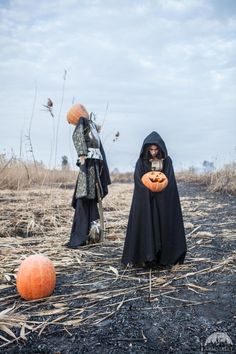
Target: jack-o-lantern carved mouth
x,y
156,181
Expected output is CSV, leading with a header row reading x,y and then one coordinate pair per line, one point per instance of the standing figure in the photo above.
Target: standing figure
x,y
155,233
93,178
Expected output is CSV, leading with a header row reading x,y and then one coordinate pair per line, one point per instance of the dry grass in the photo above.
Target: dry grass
x,y
17,174
125,177
92,285
223,180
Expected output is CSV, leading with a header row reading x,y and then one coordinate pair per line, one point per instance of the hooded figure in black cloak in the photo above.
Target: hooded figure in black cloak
x,y
92,181
155,233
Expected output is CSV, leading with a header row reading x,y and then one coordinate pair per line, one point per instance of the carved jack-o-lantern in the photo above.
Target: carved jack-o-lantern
x,y
156,181
75,113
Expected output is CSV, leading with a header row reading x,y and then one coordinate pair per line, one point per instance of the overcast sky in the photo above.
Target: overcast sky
x,y
164,65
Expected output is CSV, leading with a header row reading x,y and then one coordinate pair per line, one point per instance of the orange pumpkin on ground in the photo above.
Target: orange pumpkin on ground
x,y
36,277
156,181
75,113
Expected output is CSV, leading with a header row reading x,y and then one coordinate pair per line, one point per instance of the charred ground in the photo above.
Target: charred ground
x,y
98,305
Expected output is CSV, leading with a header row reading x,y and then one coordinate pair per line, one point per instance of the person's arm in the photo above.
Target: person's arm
x,y
80,144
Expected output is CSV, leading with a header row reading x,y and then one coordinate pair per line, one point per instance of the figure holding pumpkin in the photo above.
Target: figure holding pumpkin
x,y
93,177
155,233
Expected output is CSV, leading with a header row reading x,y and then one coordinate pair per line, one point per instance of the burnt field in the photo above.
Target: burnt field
x,y
100,306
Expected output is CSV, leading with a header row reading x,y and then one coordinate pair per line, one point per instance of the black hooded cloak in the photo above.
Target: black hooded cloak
x,y
155,231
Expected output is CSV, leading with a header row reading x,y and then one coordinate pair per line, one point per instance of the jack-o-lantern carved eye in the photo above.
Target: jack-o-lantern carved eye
x,y
156,181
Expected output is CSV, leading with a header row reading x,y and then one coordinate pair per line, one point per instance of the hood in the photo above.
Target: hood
x,y
154,138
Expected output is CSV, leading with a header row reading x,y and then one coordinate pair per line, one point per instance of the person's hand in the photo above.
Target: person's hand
x,y
82,159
